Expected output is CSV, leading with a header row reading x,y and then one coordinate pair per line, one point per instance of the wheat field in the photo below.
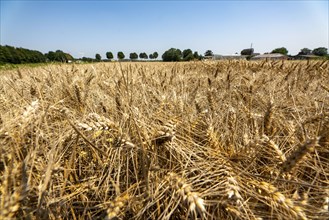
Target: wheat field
x,y
197,140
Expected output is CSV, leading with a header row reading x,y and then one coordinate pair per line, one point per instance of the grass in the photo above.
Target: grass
x,y
9,66
197,140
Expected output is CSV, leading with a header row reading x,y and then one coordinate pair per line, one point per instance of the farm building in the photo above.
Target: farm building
x,y
229,57
270,56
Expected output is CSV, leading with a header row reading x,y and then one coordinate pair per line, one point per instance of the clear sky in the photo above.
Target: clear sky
x,y
84,28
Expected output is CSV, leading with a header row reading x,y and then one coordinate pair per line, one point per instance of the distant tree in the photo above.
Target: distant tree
x,y
86,59
151,56
281,50
3,55
58,56
172,54
320,51
9,54
209,53
98,57
109,55
143,55
179,52
247,52
305,51
121,55
187,55
39,57
196,56
133,56
69,56
23,55
155,55
51,56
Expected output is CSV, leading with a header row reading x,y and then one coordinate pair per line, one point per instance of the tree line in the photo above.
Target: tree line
x,y
18,55
132,56
9,54
320,51
172,54
14,55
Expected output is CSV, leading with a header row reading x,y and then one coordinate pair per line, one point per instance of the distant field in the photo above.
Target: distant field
x,y
196,140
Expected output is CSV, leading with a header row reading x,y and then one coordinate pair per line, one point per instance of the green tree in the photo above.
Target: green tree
x,y
172,54
98,57
121,55
320,51
50,56
58,56
68,57
2,55
155,55
9,54
143,55
151,56
109,55
24,55
87,59
196,56
133,56
7,57
247,52
187,55
305,51
209,53
281,50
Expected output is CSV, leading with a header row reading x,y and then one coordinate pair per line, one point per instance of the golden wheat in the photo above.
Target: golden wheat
x,y
197,140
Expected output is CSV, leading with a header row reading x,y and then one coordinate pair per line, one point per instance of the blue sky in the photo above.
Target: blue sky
x,y
84,28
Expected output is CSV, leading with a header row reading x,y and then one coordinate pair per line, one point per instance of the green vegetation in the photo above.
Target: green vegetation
x,y
143,55
133,56
305,51
109,55
121,55
155,55
11,66
197,56
188,55
281,50
13,55
320,51
208,53
19,55
98,57
58,56
247,52
172,54
87,59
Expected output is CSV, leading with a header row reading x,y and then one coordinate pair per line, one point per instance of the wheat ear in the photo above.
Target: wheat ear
x,y
270,192
115,207
192,199
299,154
